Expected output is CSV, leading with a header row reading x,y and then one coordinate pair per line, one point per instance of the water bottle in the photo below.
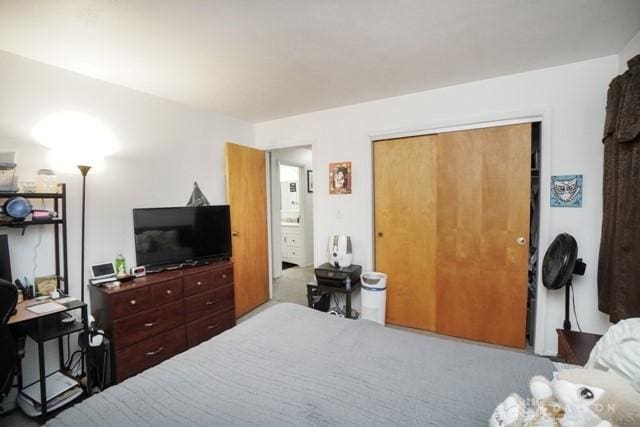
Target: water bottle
x,y
121,265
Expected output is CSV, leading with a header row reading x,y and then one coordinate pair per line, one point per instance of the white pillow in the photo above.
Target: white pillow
x,y
619,351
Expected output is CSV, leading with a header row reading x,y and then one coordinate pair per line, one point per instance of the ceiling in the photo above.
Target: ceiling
x,y
264,59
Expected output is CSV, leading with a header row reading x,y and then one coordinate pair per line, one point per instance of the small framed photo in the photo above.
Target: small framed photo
x,y
309,181
566,191
340,178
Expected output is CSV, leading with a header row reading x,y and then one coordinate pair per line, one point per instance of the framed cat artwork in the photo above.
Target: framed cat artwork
x,y
566,191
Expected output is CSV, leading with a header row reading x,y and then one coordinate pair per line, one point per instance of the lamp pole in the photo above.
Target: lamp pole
x,y
84,170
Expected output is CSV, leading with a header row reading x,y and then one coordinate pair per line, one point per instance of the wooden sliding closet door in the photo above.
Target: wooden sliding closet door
x,y
482,233
405,227
452,228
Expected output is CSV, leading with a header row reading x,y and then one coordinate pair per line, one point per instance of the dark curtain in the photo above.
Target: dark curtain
x,y
619,263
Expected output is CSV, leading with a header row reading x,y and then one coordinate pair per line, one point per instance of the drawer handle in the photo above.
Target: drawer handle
x,y
133,302
198,283
150,324
212,301
212,326
153,353
168,291
224,276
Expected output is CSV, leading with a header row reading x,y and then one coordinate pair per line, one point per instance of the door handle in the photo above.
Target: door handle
x,y
521,240
235,234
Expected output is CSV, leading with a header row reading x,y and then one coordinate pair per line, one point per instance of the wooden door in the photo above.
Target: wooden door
x,y
449,210
483,209
247,197
405,227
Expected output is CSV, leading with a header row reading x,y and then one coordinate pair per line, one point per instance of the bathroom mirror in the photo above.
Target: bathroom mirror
x,y
289,194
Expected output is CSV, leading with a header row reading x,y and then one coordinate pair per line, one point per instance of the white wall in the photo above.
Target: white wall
x,y
629,51
300,156
165,146
573,100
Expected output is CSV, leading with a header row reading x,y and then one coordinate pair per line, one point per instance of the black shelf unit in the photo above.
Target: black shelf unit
x,y
48,326
60,228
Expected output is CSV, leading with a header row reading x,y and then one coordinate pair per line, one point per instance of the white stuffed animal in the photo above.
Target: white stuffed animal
x,y
575,397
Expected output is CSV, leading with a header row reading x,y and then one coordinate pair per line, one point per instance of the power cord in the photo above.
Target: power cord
x,y
573,298
35,252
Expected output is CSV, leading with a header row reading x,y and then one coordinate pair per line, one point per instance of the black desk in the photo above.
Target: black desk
x,y
41,331
314,286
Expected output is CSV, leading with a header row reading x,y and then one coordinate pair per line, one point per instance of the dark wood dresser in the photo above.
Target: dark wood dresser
x,y
152,318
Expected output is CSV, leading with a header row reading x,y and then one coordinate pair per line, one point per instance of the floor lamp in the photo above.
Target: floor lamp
x,y
84,170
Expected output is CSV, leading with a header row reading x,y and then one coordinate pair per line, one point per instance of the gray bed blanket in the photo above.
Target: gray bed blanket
x,y
291,365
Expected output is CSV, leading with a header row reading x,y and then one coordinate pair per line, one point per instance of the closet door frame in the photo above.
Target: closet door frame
x,y
543,344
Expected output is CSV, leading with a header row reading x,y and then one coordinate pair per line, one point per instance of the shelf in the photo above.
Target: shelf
x,y
52,328
6,195
23,224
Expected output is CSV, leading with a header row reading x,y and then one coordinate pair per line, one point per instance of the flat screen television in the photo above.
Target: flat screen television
x,y
184,235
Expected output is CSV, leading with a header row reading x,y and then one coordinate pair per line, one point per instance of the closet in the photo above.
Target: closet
x,y
452,225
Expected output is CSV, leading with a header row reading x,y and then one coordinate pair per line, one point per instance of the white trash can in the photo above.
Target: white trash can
x,y
373,296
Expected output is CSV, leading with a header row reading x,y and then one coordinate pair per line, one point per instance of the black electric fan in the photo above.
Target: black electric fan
x,y
560,263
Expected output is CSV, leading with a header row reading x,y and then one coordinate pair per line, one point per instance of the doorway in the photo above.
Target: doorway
x,y
291,184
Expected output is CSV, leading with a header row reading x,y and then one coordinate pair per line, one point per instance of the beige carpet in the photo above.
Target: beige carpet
x,y
291,286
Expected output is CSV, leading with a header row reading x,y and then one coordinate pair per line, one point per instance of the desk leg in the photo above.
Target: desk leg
x,y
348,314
43,378
85,322
61,352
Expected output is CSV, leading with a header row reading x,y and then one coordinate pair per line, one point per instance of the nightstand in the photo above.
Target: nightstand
x,y
574,347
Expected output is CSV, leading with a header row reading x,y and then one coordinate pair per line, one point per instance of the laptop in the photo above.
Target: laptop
x,y
103,273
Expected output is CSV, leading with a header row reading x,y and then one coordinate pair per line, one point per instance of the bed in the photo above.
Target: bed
x,y
291,365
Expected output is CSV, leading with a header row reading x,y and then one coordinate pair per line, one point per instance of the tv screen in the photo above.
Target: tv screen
x,y
172,236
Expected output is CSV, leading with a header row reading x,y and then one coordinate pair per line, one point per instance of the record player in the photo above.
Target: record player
x,y
328,275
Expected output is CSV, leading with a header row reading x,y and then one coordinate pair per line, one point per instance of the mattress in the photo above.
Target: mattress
x,y
291,365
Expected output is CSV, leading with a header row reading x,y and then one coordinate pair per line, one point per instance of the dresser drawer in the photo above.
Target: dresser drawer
x,y
141,326
292,240
150,352
293,251
196,283
166,292
130,302
210,326
208,302
222,276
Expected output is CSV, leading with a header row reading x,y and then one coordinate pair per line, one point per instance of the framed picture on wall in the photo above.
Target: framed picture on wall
x,y
566,191
340,178
309,181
